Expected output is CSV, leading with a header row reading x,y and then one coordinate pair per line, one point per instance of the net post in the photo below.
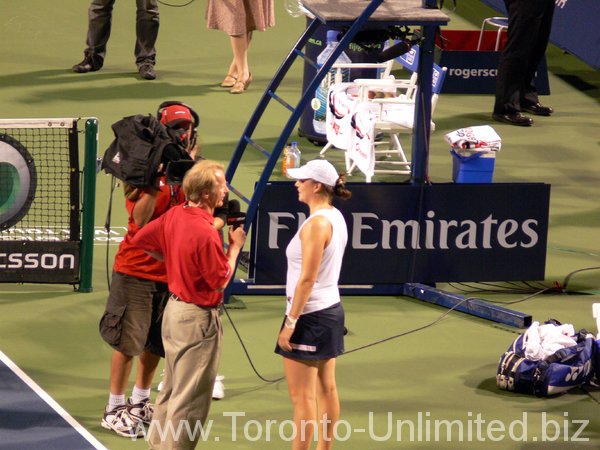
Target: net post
x,y
89,205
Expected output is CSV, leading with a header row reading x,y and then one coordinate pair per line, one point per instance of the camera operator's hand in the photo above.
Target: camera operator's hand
x,y
156,179
194,151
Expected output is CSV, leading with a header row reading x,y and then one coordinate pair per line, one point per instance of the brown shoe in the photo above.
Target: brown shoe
x,y
240,86
229,81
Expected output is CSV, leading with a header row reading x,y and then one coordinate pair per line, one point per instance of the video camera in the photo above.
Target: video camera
x,y
142,149
176,170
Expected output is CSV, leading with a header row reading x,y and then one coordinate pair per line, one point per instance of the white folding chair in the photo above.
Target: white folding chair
x,y
384,69
392,109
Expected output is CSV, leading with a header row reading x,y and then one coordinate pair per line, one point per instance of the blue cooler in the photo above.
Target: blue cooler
x,y
473,167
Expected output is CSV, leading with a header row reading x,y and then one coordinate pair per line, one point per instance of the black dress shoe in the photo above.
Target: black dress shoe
x,y
538,109
147,71
85,66
516,118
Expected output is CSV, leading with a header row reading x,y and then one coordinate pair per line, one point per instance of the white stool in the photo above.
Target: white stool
x,y
501,23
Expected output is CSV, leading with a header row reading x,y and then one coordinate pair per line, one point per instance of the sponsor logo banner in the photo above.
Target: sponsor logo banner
x,y
39,262
471,71
401,233
574,27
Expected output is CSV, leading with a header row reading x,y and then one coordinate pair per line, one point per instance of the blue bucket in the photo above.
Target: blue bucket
x,y
475,168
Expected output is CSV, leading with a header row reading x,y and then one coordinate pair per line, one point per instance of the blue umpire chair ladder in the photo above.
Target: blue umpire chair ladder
x,y
353,15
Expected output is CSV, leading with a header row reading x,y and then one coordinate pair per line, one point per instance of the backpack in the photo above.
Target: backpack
x,y
567,368
140,146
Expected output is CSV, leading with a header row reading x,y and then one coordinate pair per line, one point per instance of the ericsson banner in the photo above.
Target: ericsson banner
x,y
400,233
39,262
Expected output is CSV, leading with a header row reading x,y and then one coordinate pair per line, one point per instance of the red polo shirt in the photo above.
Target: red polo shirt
x,y
196,263
134,261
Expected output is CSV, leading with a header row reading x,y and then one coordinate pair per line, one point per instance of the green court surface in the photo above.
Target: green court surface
x,y
439,374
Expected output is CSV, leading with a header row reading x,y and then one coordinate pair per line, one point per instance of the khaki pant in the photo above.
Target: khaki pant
x,y
192,338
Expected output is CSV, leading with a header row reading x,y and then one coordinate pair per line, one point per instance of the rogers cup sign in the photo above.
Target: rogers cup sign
x,y
400,233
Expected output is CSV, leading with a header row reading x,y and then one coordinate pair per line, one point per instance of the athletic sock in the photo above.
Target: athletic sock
x,y
114,401
139,395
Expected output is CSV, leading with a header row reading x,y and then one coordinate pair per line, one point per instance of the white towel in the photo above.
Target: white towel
x,y
480,138
542,341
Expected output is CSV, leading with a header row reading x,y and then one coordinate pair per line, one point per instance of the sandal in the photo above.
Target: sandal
x,y
241,86
229,81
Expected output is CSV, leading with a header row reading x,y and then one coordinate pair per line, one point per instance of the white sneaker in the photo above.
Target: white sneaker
x,y
121,422
141,412
219,388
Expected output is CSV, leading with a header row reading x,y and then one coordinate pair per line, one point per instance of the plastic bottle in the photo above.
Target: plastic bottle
x,y
284,162
295,155
294,7
319,103
291,157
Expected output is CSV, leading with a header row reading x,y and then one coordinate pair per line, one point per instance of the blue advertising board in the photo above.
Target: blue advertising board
x,y
473,71
400,233
574,27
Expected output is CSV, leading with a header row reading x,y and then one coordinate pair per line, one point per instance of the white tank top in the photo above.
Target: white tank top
x,y
325,291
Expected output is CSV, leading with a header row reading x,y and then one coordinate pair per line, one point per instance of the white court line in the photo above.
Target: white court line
x,y
51,402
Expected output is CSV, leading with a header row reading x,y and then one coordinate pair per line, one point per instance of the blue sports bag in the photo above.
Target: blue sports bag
x,y
567,368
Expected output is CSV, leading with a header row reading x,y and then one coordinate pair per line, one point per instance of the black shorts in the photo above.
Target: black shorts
x,y
318,335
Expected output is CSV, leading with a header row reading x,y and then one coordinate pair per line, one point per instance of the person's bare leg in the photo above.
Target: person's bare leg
x,y
328,403
301,378
147,364
231,76
120,368
239,47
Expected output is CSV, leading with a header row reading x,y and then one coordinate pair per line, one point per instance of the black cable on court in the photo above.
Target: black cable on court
x,y
175,6
558,288
237,333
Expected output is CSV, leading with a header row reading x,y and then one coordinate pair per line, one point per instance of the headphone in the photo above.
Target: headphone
x,y
166,104
194,114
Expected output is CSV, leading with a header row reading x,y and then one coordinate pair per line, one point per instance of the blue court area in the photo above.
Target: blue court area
x,y
31,419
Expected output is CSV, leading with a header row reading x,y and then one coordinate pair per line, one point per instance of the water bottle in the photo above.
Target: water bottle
x,y
284,162
294,7
295,155
319,103
291,158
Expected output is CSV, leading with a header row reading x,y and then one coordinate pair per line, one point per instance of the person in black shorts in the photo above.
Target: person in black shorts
x,y
312,333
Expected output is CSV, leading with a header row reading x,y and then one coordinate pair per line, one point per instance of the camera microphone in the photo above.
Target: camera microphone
x,y
235,217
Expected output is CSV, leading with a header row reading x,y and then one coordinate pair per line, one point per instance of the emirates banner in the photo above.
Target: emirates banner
x,y
401,233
